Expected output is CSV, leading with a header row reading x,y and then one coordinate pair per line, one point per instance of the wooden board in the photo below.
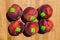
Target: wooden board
x,y
52,35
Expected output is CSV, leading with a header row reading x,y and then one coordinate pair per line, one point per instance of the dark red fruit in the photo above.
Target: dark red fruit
x,y
45,11
31,28
16,28
45,25
30,14
15,12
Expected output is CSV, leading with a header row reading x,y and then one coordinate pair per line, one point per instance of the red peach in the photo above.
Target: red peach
x,y
16,27
45,25
30,14
31,28
15,12
45,11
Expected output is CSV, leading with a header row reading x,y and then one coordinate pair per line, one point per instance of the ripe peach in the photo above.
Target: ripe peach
x,y
31,28
45,11
16,27
45,25
30,14
15,12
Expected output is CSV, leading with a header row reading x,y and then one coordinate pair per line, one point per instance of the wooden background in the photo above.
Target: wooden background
x,y
52,35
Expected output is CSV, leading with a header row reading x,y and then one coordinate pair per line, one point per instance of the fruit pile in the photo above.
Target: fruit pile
x,y
29,26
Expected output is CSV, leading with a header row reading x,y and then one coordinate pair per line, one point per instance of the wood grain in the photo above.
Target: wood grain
x,y
52,35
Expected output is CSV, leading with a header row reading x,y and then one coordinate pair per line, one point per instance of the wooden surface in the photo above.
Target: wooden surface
x,y
54,34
